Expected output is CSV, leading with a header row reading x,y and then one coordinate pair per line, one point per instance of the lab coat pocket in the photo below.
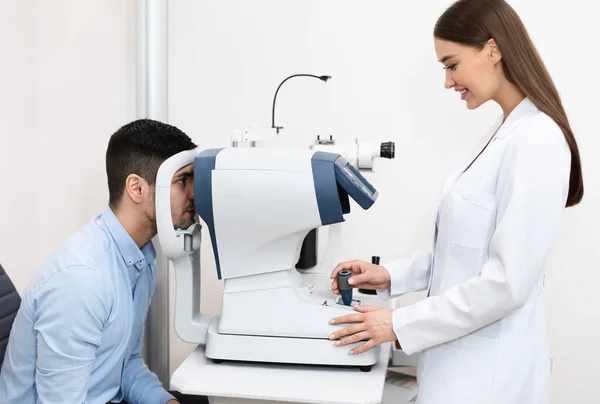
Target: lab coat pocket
x,y
472,219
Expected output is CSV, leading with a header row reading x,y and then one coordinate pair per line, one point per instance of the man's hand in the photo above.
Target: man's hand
x,y
364,275
373,324
173,402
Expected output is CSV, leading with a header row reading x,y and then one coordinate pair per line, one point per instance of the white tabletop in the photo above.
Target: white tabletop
x,y
198,375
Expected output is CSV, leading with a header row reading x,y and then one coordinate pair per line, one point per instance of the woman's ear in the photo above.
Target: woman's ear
x,y
494,53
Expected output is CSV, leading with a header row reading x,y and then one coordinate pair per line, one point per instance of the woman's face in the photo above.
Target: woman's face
x,y
474,73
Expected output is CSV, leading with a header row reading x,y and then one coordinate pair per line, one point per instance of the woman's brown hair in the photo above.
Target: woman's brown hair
x,y
474,23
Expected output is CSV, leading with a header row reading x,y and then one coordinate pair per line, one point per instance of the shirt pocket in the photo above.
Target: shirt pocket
x,y
472,217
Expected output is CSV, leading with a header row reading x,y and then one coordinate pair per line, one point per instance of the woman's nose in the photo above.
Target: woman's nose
x,y
449,80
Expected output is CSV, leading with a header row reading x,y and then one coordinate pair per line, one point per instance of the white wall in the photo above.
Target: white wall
x,y
227,59
67,79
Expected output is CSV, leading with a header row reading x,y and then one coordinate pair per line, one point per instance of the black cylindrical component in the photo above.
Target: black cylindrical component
x,y
308,252
345,288
388,150
375,260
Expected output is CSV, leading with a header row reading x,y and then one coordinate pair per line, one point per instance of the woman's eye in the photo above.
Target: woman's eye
x,y
452,67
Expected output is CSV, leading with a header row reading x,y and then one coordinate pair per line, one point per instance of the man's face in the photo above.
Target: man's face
x,y
182,197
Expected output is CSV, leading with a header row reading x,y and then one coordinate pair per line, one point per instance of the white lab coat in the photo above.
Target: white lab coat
x,y
481,330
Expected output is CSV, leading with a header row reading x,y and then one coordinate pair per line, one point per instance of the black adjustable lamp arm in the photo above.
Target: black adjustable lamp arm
x,y
323,78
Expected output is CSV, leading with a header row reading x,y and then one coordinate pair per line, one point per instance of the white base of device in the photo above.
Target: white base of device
x,y
307,351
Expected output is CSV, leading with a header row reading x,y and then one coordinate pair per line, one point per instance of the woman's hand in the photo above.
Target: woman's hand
x,y
373,324
364,275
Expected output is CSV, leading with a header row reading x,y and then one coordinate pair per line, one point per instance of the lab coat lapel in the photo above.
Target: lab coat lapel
x,y
469,158
523,110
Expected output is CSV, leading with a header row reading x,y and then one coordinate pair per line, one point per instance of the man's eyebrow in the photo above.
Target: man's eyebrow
x,y
445,58
186,174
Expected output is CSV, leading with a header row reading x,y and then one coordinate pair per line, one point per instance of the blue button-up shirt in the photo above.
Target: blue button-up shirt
x,y
78,334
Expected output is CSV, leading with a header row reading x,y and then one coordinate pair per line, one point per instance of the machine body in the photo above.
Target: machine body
x,y
259,204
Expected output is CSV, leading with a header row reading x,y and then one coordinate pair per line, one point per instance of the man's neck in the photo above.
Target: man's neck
x,y
136,224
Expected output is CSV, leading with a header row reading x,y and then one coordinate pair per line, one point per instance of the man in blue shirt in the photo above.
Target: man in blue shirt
x,y
78,334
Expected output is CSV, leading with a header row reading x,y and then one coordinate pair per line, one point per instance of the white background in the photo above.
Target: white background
x,y
67,82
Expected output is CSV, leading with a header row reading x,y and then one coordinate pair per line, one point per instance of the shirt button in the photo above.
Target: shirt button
x,y
129,262
137,275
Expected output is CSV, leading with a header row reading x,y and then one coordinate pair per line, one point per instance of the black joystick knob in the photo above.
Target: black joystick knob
x,y
374,260
388,150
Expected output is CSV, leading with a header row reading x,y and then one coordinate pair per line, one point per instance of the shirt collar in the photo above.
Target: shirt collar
x,y
131,254
523,110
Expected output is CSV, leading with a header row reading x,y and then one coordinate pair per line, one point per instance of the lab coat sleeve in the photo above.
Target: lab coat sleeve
x,y
140,385
69,319
407,275
531,194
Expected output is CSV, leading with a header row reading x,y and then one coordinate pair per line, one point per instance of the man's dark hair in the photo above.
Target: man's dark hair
x,y
140,147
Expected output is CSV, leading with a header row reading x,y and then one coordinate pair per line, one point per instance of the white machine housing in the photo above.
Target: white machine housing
x,y
360,153
259,204
182,248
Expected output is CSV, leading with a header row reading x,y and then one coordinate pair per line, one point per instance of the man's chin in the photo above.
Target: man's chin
x,y
184,224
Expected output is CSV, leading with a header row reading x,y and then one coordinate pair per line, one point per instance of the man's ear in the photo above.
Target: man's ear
x,y
136,188
493,51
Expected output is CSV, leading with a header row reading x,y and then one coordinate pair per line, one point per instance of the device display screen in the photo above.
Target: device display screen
x,y
356,180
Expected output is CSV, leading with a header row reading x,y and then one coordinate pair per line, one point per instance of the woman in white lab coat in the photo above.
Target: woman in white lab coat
x,y
481,329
